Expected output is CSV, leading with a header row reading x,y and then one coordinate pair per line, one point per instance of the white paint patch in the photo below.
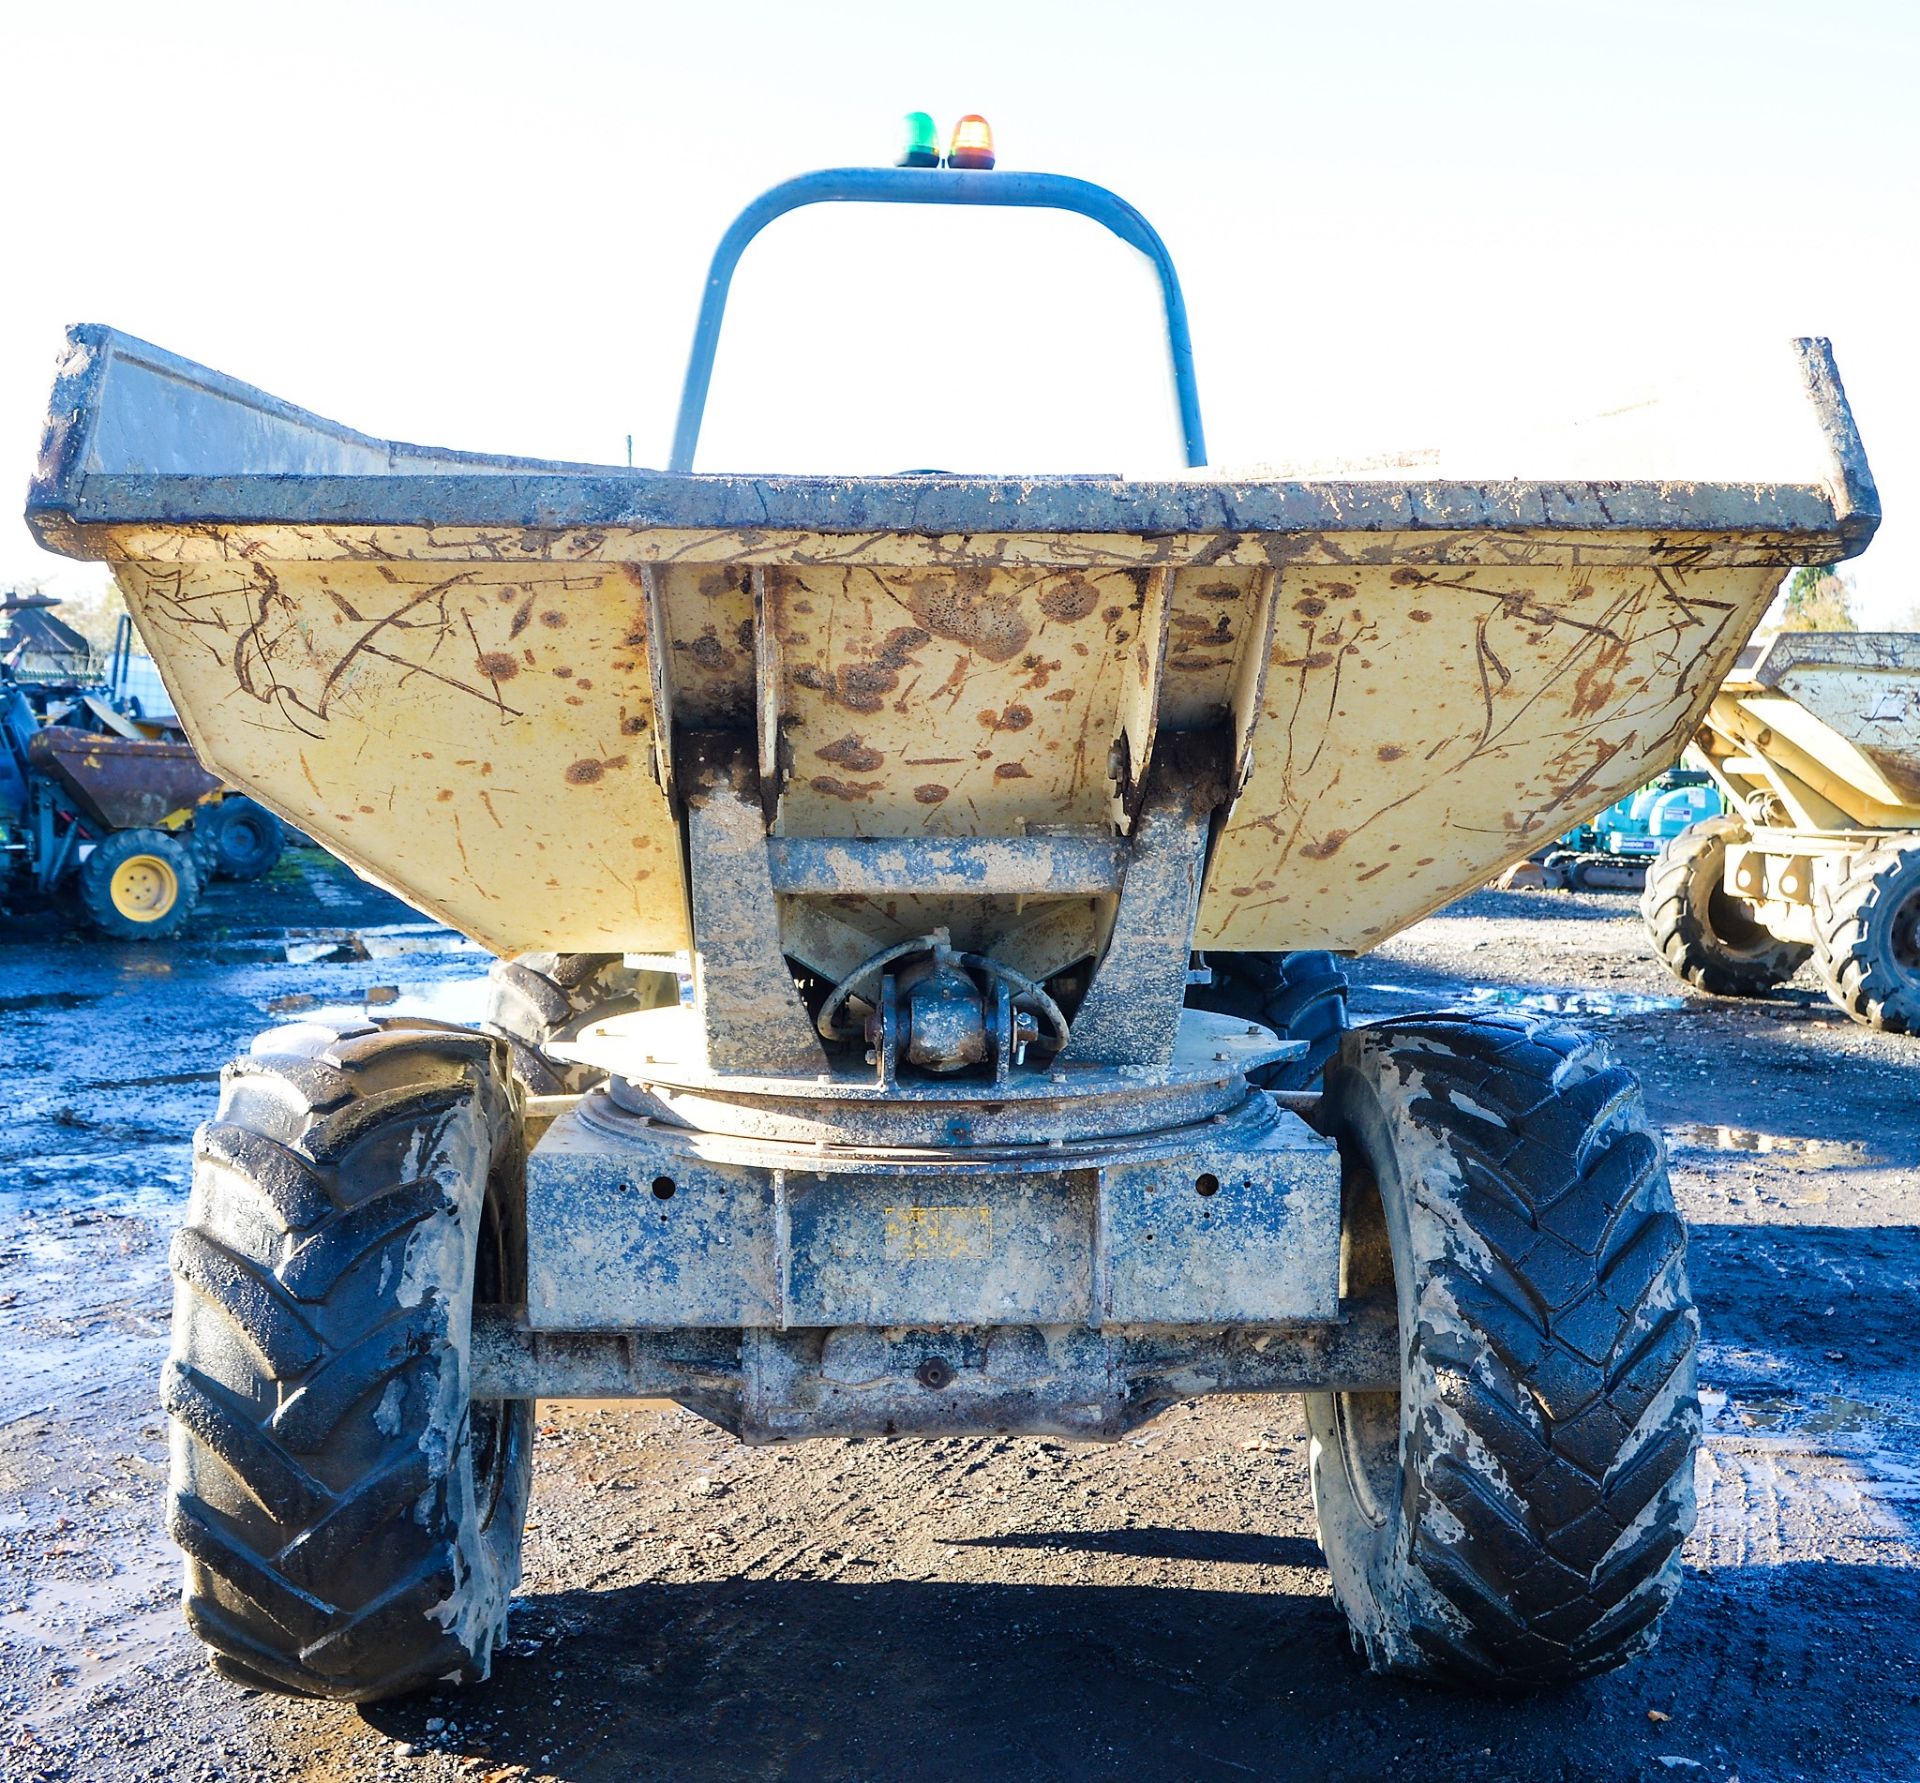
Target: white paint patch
x,y
386,1415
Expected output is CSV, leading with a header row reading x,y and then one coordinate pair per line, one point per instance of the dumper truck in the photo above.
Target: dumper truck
x,y
102,809
1814,743
104,821
850,841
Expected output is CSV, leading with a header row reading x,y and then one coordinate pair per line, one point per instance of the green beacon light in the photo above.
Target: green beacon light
x,y
922,145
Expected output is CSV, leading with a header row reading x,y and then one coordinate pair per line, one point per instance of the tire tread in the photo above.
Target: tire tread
x,y
1560,1340
312,1562
1849,947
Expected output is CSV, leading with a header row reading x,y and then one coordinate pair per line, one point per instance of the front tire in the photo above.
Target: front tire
x,y
351,1519
1702,934
139,885
1512,1516
1868,924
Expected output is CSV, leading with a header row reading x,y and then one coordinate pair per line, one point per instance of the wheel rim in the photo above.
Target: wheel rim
x,y
1734,928
143,888
1367,1425
1903,936
1729,919
490,1422
244,841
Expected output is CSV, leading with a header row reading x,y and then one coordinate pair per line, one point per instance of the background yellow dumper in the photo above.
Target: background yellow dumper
x,y
1814,742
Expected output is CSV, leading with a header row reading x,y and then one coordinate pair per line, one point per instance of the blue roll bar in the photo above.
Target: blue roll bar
x,y
916,185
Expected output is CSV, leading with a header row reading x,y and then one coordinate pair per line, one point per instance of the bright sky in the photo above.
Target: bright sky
x,y
1398,225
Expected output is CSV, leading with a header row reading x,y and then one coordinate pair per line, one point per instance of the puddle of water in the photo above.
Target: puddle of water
x,y
1532,999
1705,1136
314,953
44,1000
1781,1414
461,1000
381,941
1787,1414
96,1630
1739,1362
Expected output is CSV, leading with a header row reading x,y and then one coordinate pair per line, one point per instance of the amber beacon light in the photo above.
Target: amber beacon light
x,y
972,145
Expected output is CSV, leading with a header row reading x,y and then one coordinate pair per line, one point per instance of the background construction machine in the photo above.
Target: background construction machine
x,y
103,803
1814,743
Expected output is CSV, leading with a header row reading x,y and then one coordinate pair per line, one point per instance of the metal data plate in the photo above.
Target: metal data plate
x,y
632,1231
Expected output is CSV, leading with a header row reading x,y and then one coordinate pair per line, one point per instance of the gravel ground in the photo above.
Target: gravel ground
x,y
1003,1608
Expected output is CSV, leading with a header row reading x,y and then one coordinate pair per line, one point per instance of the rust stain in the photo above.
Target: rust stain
x,y
930,793
1187,653
1328,845
864,686
717,584
966,608
708,652
1011,770
853,754
1068,601
587,771
841,789
498,665
1389,752
1039,671
1593,686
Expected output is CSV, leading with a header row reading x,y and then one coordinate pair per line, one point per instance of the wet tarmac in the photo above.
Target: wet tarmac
x,y
997,1609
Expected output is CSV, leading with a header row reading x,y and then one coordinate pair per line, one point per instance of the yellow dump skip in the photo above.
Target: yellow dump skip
x,y
472,677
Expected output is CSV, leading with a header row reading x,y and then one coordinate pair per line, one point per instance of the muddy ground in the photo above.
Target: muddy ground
x,y
994,1609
